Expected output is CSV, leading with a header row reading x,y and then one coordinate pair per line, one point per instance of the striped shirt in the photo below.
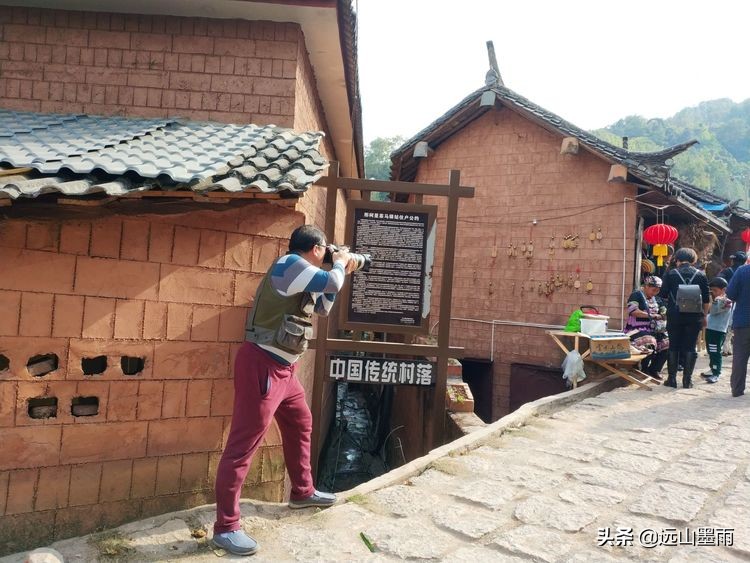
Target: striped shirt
x,y
292,275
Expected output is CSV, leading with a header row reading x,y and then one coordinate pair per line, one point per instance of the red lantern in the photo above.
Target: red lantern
x,y
746,238
660,235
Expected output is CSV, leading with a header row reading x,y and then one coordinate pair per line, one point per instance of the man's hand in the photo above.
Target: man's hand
x,y
345,257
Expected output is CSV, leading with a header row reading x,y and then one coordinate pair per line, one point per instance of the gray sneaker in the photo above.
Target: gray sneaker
x,y
236,542
318,499
712,379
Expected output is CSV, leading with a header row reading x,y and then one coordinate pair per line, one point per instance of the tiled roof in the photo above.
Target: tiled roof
x,y
81,154
652,168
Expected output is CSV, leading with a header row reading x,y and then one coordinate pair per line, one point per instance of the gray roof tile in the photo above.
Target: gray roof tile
x,y
84,154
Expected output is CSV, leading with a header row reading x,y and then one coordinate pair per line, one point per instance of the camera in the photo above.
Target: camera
x,y
364,261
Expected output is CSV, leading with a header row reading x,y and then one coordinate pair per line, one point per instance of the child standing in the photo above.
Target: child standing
x,y
716,328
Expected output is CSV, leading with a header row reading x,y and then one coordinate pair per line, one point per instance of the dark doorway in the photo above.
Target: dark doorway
x,y
529,382
477,373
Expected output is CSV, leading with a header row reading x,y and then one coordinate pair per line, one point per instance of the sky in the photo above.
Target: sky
x,y
591,62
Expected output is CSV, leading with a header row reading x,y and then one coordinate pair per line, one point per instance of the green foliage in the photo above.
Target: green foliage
x,y
719,164
378,157
378,161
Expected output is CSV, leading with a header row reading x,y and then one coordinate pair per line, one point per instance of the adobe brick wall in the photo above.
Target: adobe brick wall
x,y
519,176
171,289
148,66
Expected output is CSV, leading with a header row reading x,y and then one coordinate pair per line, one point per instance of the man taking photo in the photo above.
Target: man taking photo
x,y
278,330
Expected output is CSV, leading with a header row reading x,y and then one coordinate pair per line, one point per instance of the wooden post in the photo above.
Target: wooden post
x,y
435,423
319,378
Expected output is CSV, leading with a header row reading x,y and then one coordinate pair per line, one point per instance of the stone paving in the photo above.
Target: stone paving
x,y
628,459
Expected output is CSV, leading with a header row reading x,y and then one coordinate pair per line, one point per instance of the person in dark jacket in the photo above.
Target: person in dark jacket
x,y
683,328
739,292
738,260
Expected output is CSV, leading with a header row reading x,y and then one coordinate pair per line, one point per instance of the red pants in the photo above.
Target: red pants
x,y
263,388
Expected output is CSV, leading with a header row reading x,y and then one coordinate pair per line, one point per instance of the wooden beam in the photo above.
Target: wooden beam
x,y
569,146
83,202
618,173
394,187
14,171
5,202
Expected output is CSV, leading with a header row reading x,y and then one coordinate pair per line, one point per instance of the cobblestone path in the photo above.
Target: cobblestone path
x,y
549,491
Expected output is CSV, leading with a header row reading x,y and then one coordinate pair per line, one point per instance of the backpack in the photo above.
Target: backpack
x,y
689,298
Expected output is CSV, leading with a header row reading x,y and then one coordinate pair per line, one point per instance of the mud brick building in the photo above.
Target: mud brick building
x,y
134,228
540,179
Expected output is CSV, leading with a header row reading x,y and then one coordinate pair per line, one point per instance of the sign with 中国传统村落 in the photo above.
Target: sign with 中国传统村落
x,y
382,371
394,295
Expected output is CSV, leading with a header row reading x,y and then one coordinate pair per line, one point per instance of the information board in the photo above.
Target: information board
x,y
382,371
394,296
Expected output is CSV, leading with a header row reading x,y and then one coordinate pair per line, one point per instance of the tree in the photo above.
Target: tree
x,y
378,161
378,157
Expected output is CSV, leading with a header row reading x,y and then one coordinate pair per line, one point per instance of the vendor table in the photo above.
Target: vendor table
x,y
625,368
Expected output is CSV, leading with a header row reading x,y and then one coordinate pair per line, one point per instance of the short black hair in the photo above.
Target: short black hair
x,y
306,237
686,255
718,282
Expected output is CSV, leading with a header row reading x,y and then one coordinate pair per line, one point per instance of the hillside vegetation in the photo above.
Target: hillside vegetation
x,y
719,164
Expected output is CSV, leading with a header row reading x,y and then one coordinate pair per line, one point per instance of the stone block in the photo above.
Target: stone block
x,y
232,324
186,246
103,442
265,251
144,477
155,321
551,513
175,399
10,305
211,251
123,279
195,285
116,479
36,314
198,398
43,236
105,238
52,489
179,320
532,541
114,351
129,319
36,271
161,242
222,398
194,475
178,360
8,403
168,475
238,252
205,324
122,404
184,435
67,319
670,501
21,488
246,285
30,447
23,531
150,395
135,236
13,234
271,221
98,318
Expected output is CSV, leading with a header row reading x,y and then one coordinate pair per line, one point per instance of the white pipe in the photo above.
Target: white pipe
x,y
624,260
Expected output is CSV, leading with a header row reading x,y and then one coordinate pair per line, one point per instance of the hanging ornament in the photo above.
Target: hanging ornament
x,y
647,266
746,238
515,251
660,236
577,283
589,286
552,246
592,235
523,248
599,235
510,250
